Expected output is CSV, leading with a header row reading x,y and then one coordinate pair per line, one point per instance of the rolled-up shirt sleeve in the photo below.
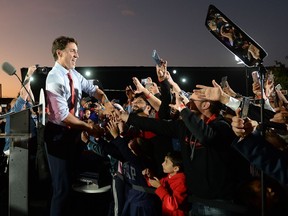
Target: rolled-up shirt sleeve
x,y
58,92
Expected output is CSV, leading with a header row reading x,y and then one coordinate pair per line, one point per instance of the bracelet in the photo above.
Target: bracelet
x,y
106,101
182,106
148,96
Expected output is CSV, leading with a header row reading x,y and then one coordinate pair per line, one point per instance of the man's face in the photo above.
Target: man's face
x,y
67,57
90,122
138,105
85,104
195,103
87,113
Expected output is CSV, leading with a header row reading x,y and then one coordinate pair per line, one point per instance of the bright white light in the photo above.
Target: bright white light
x,y
183,80
174,71
31,79
239,61
87,73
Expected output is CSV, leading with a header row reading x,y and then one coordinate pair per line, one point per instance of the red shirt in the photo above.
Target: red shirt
x,y
173,194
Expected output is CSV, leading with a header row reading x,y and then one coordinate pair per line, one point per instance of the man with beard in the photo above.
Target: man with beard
x,y
141,107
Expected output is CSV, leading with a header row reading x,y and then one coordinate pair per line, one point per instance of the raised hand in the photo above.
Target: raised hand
x,y
256,88
139,87
160,70
228,90
179,102
113,128
96,131
129,92
242,127
214,93
269,87
153,88
84,137
121,115
282,99
147,173
281,115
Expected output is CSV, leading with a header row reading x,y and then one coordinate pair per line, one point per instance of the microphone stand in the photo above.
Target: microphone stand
x,y
262,128
31,98
28,92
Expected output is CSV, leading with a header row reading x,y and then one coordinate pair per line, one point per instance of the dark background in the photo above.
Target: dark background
x,y
115,79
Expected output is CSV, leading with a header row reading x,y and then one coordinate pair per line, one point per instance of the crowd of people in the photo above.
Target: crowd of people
x,y
171,152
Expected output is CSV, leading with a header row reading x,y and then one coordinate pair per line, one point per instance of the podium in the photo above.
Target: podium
x,y
20,133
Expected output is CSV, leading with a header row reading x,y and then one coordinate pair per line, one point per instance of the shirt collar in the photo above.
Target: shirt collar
x,y
61,68
212,118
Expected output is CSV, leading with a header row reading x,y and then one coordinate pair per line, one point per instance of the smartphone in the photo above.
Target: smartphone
x,y
144,81
148,85
156,58
245,107
223,82
255,76
278,87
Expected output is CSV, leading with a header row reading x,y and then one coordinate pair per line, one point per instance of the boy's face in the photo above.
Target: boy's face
x,y
168,166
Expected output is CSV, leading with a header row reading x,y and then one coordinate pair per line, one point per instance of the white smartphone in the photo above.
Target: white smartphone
x,y
278,87
255,76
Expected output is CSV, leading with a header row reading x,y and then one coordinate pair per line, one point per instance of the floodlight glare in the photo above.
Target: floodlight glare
x,y
88,73
183,80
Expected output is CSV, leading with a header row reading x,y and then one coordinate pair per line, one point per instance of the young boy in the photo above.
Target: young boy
x,y
171,189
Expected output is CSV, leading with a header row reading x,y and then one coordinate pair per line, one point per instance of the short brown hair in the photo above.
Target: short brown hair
x,y
176,159
60,43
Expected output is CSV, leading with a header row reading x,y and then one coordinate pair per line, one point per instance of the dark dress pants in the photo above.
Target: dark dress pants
x,y
63,150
